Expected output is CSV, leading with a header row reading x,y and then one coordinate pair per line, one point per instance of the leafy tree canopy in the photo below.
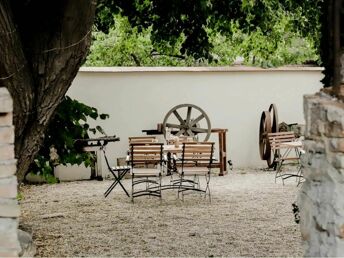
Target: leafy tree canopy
x,y
282,30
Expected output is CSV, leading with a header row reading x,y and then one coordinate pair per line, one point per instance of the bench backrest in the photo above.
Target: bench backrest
x,y
142,139
199,153
146,153
276,140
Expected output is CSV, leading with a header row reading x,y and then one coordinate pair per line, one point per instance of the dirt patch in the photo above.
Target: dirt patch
x,y
249,215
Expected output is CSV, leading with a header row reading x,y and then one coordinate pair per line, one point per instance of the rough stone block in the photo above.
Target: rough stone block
x,y
321,199
323,115
8,253
7,134
9,234
338,161
6,103
334,129
337,144
312,112
317,147
9,210
6,152
8,187
335,111
6,119
7,168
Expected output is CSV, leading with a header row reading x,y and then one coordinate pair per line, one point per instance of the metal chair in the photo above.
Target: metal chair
x,y
195,161
118,173
287,142
146,160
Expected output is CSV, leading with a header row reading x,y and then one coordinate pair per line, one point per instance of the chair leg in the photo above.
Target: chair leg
x,y
180,184
160,179
279,171
207,189
132,188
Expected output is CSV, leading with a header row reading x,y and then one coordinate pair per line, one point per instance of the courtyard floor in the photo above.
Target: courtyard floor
x,y
250,215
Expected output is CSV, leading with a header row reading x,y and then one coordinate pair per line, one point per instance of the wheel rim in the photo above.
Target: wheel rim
x,y
189,126
274,118
264,129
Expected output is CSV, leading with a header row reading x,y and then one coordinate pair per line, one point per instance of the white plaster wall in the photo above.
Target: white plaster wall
x,y
233,98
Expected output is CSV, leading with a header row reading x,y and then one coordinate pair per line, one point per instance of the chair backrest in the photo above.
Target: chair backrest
x,y
142,139
197,153
106,159
276,140
146,153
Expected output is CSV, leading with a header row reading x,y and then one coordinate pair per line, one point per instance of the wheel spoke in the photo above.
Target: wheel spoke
x,y
178,116
199,130
199,118
190,133
173,125
188,116
180,132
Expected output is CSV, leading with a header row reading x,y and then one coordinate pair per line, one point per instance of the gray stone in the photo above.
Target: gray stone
x,y
8,187
35,179
6,104
7,134
9,210
8,253
6,152
28,248
8,234
6,119
8,168
337,144
321,199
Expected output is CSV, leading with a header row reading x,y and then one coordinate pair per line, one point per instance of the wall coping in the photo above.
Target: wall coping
x,y
238,68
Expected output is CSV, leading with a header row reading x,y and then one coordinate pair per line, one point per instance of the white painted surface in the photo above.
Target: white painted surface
x,y
72,173
233,98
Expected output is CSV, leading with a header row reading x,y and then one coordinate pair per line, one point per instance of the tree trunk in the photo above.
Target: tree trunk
x,y
43,44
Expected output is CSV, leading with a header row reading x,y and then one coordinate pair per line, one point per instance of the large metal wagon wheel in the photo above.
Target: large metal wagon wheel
x,y
268,124
274,118
264,129
187,120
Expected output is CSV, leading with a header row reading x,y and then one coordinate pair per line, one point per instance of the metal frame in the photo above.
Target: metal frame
x,y
184,184
122,171
146,179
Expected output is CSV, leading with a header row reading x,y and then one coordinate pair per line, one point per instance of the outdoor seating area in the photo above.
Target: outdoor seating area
x,y
148,161
249,215
172,128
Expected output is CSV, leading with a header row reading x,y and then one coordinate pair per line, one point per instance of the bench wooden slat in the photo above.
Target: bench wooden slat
x,y
276,140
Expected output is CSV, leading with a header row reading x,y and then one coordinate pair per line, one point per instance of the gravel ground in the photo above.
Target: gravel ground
x,y
249,215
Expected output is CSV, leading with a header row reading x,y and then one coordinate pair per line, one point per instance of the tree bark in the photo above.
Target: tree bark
x,y
43,44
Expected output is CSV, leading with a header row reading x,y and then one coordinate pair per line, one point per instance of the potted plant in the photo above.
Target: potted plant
x,y
69,124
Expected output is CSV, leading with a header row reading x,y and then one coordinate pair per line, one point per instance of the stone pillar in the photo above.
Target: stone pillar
x,y
321,198
9,208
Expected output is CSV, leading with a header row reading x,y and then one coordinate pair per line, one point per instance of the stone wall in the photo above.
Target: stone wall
x,y
9,208
321,199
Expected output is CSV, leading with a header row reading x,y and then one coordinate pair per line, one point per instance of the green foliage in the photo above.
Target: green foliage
x,y
19,196
127,46
192,29
69,124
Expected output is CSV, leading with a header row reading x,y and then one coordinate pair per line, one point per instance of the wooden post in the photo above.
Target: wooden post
x,y
222,150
